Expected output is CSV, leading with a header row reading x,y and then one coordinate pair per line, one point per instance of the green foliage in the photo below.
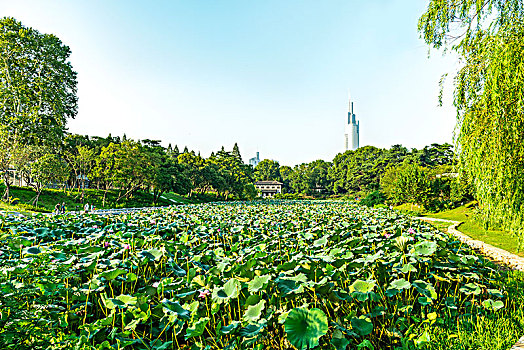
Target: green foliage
x,y
37,83
489,96
267,170
373,199
411,184
311,274
305,327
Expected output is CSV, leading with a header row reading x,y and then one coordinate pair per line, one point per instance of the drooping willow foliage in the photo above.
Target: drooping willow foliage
x,y
488,35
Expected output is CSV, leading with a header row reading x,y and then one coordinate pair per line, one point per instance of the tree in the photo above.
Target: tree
x,y
488,35
81,160
236,153
12,151
37,83
46,170
267,170
411,184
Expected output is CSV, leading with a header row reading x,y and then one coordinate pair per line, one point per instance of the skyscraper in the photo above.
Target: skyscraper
x,y
351,130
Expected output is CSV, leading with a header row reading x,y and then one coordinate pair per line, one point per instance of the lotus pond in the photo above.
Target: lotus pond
x,y
278,275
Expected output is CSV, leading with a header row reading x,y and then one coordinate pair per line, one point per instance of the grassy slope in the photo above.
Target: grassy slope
x,y
474,229
50,197
178,198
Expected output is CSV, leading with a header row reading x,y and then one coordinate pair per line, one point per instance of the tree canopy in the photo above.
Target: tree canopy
x,y
37,83
488,36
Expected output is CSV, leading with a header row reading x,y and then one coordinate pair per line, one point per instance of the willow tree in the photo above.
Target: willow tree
x,y
488,36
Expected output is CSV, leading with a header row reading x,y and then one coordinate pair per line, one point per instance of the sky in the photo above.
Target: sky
x,y
273,76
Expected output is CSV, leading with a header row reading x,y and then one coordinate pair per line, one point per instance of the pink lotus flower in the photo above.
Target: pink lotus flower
x,y
388,235
127,247
106,244
411,231
96,226
204,293
153,222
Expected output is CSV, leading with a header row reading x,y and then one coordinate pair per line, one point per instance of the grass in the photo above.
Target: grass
x,y
73,201
178,198
499,330
474,228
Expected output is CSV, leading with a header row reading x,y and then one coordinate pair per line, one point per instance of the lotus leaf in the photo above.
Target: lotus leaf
x,y
471,288
304,327
197,328
254,312
362,325
493,305
258,283
363,287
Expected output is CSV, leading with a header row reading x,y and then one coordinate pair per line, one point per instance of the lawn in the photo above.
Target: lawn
x,y
73,199
473,228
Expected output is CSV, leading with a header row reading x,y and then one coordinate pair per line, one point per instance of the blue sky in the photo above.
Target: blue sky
x,y
271,75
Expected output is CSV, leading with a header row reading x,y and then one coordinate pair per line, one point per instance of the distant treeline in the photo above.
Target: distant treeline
x,y
131,165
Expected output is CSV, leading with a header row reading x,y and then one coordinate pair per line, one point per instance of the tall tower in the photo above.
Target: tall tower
x,y
351,130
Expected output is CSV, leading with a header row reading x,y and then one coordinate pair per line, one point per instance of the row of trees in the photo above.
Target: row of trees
x,y
424,176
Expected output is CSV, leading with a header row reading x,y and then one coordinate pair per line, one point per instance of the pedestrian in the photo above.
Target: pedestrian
x,y
57,208
86,208
63,208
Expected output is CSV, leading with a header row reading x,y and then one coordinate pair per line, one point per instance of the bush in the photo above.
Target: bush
x,y
373,199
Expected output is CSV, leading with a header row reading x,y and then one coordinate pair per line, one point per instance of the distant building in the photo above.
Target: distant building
x,y
351,130
268,188
255,160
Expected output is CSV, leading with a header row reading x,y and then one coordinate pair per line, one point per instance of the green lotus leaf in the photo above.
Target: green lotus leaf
x,y
425,301
229,291
471,288
496,293
33,250
362,325
160,345
425,288
493,305
230,328
152,254
407,268
400,284
360,286
254,312
422,339
131,277
112,303
197,328
425,248
258,283
304,327
251,330
112,274
252,300
175,307
322,241
339,341
237,229
288,286
127,299
180,272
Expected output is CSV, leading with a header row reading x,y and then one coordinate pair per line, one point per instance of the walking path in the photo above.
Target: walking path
x,y
498,255
513,261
